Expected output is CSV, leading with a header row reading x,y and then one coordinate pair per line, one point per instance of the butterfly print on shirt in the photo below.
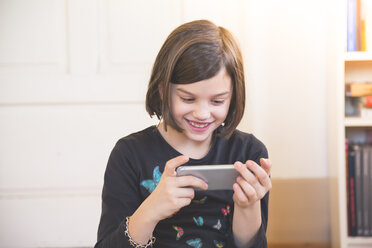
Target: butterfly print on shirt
x,y
200,201
218,244
199,221
179,232
218,225
151,184
226,211
196,243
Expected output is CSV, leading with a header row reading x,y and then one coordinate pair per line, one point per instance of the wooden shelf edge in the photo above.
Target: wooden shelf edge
x,y
358,56
359,240
357,122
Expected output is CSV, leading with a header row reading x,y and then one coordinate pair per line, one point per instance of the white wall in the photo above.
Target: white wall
x,y
73,76
286,75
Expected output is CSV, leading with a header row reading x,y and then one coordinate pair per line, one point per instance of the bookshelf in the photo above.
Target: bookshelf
x,y
357,122
357,56
348,67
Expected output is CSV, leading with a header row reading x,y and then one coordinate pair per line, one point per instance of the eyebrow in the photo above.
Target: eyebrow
x,y
219,94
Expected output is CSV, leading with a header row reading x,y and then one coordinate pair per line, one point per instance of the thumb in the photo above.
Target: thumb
x,y
266,165
172,164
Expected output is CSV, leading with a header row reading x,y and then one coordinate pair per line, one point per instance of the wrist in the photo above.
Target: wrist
x,y
150,211
252,208
139,229
243,233
146,214
142,224
133,243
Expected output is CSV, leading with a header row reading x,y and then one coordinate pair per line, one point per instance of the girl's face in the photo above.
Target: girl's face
x,y
199,108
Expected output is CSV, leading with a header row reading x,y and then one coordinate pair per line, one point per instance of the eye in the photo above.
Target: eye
x,y
187,99
218,101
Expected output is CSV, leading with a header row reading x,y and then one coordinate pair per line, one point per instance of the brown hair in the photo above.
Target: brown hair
x,y
193,52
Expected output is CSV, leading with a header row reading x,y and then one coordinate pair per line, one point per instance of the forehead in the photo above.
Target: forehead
x,y
218,84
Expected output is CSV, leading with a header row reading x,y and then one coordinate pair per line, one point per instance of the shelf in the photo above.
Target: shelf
x,y
358,56
359,240
357,122
348,67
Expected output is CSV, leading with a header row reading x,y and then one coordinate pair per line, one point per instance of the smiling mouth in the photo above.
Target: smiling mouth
x,y
198,124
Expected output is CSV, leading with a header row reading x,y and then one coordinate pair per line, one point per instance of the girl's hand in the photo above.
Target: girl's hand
x,y
253,183
172,193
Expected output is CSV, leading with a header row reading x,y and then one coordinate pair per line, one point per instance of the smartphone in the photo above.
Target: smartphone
x,y
218,177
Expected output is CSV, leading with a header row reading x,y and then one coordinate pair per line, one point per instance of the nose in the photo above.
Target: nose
x,y
202,111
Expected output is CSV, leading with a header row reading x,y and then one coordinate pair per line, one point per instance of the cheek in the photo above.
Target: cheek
x,y
179,109
226,108
221,112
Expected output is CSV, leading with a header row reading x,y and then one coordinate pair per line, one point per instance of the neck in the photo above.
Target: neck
x,y
181,143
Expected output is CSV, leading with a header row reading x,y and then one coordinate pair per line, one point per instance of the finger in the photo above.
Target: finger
x,y
245,173
249,190
191,181
239,195
260,173
172,164
254,192
186,193
266,165
182,202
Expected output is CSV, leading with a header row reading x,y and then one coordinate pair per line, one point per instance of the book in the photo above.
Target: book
x,y
352,106
351,211
370,193
351,26
365,107
368,102
358,189
363,45
358,89
358,24
366,25
366,152
366,113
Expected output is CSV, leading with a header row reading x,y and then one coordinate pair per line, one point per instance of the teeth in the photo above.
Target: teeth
x,y
198,125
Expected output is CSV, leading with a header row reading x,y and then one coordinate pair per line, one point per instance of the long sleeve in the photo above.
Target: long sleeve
x,y
134,169
255,153
120,198
260,241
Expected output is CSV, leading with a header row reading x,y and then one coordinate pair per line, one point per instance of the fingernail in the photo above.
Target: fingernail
x,y
238,165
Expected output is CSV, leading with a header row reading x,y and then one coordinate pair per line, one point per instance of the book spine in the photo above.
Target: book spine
x,y
362,27
358,189
367,16
351,26
370,191
358,89
365,189
351,193
358,26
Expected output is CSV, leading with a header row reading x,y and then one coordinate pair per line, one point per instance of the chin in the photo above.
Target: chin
x,y
199,137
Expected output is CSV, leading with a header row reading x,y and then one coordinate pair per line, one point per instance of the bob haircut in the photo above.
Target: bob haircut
x,y
193,52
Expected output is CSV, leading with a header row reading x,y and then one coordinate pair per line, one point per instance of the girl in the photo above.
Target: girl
x,y
197,91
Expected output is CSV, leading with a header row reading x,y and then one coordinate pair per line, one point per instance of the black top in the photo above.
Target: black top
x,y
133,171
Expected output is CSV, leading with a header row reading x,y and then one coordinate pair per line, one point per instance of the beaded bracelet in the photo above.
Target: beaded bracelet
x,y
132,242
